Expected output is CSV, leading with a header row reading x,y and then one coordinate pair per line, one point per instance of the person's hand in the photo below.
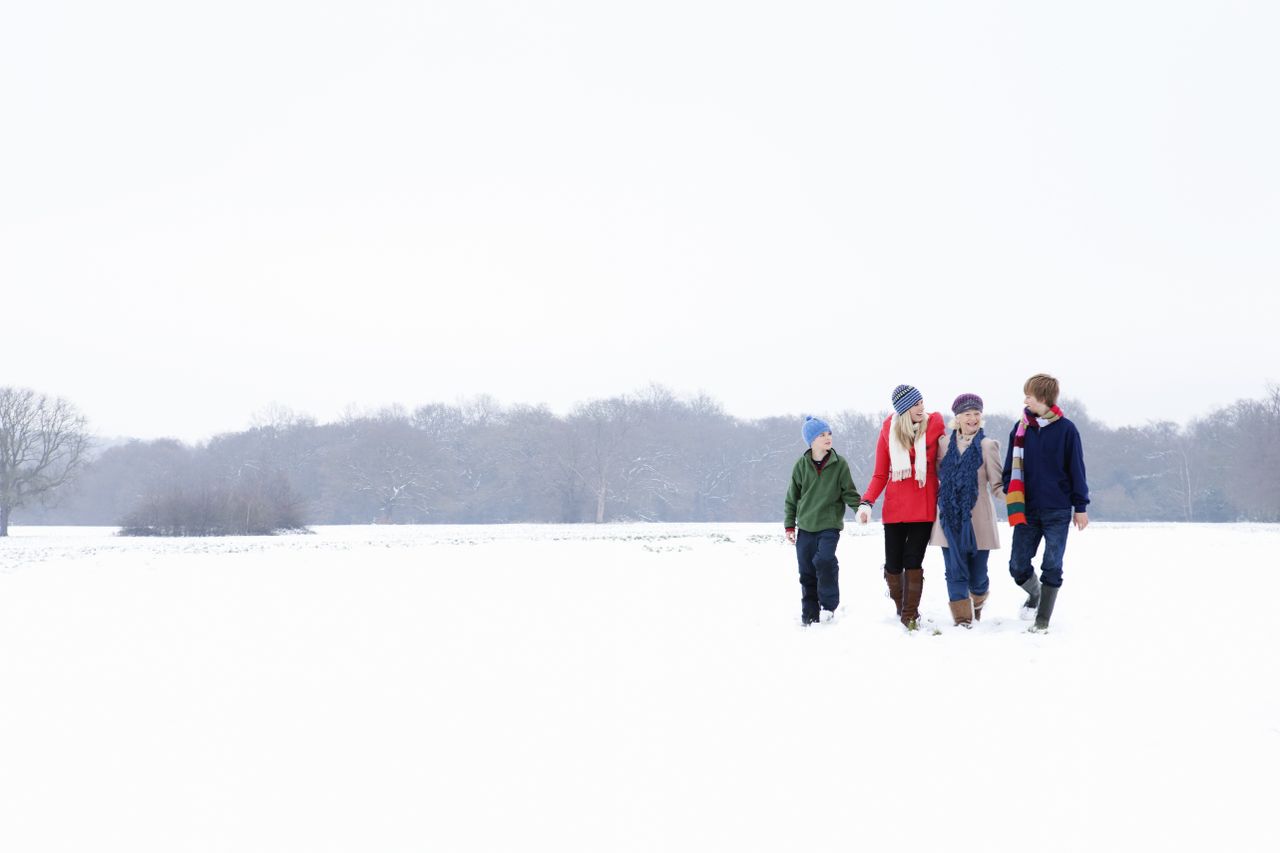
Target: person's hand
x,y
791,535
1082,520
864,514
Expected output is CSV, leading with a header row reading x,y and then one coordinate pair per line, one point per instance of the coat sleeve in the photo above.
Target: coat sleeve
x,y
1008,461
881,475
1075,470
995,474
793,496
939,428
848,491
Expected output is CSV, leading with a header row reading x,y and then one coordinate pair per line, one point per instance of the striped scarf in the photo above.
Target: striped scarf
x,y
1016,495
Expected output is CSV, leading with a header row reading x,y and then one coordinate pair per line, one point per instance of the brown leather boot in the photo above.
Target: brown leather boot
x,y
895,584
962,612
978,601
911,597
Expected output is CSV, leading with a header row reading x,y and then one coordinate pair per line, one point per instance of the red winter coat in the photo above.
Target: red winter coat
x,y
905,500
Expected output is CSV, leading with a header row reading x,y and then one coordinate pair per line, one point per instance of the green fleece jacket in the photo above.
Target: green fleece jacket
x,y
816,498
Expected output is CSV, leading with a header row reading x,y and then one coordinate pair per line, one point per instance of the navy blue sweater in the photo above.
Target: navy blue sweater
x,y
1052,467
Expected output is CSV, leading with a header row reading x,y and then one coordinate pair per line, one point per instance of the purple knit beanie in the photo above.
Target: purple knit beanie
x,y
966,402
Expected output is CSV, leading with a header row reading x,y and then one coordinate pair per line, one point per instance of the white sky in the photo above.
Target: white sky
x,y
208,208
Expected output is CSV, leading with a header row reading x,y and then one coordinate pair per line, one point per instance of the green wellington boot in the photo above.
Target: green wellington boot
x,y
1048,597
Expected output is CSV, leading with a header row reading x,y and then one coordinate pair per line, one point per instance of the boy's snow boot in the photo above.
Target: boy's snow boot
x,y
1029,606
1048,596
962,612
895,584
827,616
911,597
978,601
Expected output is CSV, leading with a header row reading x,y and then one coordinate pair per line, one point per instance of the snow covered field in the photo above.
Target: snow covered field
x,y
640,687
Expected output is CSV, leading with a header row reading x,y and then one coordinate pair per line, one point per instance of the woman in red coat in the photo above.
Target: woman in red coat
x,y
907,461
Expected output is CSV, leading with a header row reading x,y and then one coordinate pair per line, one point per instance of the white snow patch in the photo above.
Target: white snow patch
x,y
626,687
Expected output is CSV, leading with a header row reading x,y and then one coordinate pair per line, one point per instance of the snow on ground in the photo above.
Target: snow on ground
x,y
640,687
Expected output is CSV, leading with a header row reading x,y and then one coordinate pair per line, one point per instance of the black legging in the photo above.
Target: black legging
x,y
904,545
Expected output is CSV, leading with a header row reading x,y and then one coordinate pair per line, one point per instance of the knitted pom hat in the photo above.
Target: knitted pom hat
x,y
904,397
813,428
965,403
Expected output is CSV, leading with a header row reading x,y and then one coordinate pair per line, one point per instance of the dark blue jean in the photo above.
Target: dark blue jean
x,y
966,573
1051,525
819,571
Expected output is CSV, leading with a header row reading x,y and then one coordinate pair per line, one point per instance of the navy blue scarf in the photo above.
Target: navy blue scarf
x,y
958,492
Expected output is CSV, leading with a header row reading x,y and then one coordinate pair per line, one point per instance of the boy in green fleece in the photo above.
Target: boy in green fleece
x,y
821,487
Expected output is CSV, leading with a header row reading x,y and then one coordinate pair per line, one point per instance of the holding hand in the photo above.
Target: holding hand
x,y
791,535
1082,520
864,514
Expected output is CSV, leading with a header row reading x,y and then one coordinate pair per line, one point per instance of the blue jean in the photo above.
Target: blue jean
x,y
1052,526
819,571
966,573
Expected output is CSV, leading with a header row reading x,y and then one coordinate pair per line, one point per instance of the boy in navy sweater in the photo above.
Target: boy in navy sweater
x,y
1045,488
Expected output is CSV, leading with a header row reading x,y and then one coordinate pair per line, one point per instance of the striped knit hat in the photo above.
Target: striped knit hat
x,y
965,403
904,397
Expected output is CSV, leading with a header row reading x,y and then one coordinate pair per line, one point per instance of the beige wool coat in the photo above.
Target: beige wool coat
x,y
990,485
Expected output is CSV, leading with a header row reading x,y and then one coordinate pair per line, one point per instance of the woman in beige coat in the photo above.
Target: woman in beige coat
x,y
970,473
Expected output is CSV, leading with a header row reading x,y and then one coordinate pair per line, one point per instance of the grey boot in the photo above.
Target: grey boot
x,y
1029,606
1048,595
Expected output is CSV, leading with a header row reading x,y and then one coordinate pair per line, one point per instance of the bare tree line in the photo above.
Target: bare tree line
x,y
647,456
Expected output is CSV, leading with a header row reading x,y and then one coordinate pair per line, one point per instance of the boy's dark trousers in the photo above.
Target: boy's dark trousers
x,y
1052,526
819,572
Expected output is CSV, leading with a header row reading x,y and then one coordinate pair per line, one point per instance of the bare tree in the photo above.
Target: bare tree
x,y
388,463
601,429
42,445
1253,464
858,433
1175,473
277,417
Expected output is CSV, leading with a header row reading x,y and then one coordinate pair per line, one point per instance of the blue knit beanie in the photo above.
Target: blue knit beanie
x,y
813,428
904,397
965,403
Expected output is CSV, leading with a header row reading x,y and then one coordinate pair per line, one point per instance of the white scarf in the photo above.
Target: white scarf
x,y
900,457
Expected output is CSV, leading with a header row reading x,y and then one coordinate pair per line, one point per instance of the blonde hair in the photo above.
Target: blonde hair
x,y
905,432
